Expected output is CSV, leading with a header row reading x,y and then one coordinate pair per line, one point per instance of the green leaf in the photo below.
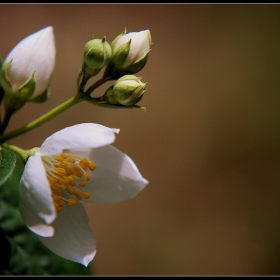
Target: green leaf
x,y
7,164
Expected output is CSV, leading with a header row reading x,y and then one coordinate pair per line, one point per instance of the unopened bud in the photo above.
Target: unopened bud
x,y
127,91
130,51
97,54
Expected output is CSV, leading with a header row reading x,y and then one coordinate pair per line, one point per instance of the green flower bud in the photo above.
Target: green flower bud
x,y
97,54
127,91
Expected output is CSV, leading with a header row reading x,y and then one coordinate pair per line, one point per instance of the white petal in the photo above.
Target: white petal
x,y
34,53
73,239
35,201
116,177
88,135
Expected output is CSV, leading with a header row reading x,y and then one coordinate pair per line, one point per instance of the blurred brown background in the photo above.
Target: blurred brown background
x,y
209,141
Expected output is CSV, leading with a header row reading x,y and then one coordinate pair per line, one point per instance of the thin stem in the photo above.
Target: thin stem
x,y
97,84
83,83
2,93
54,112
99,101
79,78
80,96
6,120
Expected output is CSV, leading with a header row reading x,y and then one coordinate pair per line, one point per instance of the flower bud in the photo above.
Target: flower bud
x,y
97,54
127,91
130,51
33,57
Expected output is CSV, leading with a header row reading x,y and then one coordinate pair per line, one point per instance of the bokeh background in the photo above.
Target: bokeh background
x,y
209,141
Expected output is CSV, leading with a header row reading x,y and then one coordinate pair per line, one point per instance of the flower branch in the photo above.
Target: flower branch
x,y
76,163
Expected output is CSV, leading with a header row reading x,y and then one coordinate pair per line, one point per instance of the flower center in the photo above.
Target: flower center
x,y
67,172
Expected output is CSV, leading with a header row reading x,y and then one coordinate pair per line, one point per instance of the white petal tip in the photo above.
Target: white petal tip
x,y
145,182
87,259
48,218
43,230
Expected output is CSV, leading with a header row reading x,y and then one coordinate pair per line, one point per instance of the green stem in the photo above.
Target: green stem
x,y
96,85
6,120
80,96
54,112
99,101
2,93
22,153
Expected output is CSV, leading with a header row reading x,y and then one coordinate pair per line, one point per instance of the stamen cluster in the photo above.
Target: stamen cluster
x,y
67,172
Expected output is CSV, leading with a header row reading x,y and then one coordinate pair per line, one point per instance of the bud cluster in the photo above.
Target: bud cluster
x,y
127,54
26,72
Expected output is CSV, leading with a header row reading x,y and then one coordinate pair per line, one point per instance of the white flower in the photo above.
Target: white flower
x,y
34,53
139,48
74,164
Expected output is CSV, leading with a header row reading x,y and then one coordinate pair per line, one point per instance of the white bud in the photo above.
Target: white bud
x,y
140,46
34,53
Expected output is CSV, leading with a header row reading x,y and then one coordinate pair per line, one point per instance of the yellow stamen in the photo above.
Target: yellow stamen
x,y
71,202
59,158
64,164
63,155
63,181
79,174
69,190
60,171
77,195
70,171
71,181
85,195
66,173
92,165
60,202
71,159
56,190
84,162
86,176
52,180
57,207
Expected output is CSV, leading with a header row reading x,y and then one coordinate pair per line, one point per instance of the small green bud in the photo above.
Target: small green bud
x,y
97,54
127,90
